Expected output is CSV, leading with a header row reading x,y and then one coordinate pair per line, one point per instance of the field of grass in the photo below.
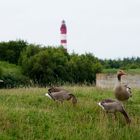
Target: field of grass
x,y
129,71
8,68
26,114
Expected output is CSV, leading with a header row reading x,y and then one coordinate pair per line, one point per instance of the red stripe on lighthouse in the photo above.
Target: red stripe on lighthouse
x,y
63,41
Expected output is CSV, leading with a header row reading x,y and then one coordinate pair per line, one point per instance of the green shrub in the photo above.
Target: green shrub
x,y
12,76
0,72
54,65
10,51
11,81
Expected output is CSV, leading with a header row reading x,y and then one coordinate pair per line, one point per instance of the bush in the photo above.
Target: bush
x,y
83,68
12,76
0,72
46,66
54,65
11,81
10,51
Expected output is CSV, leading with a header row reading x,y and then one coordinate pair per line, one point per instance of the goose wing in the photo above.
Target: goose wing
x,y
110,105
128,89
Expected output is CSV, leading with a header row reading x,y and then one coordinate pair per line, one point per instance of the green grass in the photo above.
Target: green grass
x,y
129,71
26,114
12,75
8,68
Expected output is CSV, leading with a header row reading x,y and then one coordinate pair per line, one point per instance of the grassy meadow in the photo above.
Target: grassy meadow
x,y
129,71
26,114
8,68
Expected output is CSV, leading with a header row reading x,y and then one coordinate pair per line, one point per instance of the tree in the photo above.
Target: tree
x,y
45,66
10,51
49,65
83,68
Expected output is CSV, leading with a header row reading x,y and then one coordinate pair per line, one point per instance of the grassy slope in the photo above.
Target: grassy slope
x,y
130,71
8,68
27,115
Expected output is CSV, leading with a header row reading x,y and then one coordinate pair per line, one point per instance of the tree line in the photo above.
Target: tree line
x,y
46,65
125,63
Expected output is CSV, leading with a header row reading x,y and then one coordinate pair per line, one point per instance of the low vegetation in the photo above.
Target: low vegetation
x,y
46,65
26,114
12,75
128,71
125,63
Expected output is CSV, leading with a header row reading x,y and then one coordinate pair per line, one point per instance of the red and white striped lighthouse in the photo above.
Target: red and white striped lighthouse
x,y
63,31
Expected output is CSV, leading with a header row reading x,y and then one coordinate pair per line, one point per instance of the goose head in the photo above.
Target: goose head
x,y
120,73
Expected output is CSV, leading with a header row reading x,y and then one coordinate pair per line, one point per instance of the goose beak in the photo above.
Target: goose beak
x,y
100,105
46,94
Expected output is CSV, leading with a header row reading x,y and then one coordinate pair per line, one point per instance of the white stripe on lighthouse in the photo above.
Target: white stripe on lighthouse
x,y
64,44
63,36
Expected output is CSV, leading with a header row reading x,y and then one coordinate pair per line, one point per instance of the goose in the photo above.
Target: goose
x,y
122,92
113,106
57,94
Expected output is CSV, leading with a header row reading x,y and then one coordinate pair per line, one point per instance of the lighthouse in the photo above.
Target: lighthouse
x,y
63,32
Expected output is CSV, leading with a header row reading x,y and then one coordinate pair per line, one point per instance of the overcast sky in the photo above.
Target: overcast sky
x,y
106,28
